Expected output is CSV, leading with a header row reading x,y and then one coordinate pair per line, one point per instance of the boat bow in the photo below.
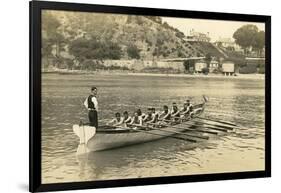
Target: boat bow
x,y
85,133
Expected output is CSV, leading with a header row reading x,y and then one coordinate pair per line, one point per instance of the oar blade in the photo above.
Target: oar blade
x,y
217,129
212,124
218,121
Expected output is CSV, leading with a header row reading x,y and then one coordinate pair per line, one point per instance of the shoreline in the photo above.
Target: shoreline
x,y
124,73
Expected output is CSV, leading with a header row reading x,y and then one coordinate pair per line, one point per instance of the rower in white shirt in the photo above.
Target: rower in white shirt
x,y
136,119
165,116
142,115
184,112
175,113
117,121
149,116
126,118
154,116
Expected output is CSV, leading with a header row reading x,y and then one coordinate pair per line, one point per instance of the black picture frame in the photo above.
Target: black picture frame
x,y
35,95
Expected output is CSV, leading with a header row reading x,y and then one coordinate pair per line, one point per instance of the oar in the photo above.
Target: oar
x,y
216,128
174,137
211,132
189,135
220,126
219,121
188,129
195,130
175,132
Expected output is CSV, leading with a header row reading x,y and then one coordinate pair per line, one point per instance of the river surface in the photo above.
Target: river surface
x,y
234,100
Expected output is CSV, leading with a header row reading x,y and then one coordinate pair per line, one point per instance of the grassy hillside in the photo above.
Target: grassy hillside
x,y
86,36
208,48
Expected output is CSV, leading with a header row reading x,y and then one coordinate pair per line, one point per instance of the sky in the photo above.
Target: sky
x,y
216,28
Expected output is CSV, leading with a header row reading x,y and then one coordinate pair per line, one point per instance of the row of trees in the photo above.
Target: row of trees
x,y
249,37
83,49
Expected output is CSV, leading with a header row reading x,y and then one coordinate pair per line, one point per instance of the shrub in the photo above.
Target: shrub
x,y
248,70
216,71
205,71
133,51
262,70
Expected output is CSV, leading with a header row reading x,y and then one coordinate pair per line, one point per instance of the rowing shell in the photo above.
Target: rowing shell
x,y
107,137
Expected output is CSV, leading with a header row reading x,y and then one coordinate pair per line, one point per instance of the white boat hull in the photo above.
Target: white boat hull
x,y
102,139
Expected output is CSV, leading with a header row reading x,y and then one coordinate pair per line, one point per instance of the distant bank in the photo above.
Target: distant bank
x,y
130,73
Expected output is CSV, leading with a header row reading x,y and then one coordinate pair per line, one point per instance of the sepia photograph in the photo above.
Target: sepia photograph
x,y
136,96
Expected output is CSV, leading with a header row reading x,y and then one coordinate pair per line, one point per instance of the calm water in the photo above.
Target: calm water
x,y
239,101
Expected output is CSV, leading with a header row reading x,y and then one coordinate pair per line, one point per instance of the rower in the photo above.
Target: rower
x,y
155,116
126,119
190,108
142,115
188,103
175,113
117,121
185,110
148,117
136,119
191,112
165,115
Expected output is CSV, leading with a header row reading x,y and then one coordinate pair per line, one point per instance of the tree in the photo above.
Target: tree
x,y
179,34
51,35
49,23
181,54
188,65
46,51
245,36
156,19
133,51
208,59
259,41
166,25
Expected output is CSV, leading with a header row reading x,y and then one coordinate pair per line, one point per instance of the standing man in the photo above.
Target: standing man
x,y
91,103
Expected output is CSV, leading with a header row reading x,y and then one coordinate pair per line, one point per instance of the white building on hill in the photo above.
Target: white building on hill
x,y
197,36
